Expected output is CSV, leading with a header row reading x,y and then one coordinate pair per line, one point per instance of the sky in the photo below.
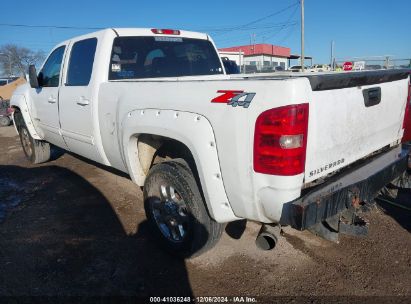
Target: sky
x,y
360,28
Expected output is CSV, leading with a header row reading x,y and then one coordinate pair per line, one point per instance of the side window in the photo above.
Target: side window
x,y
49,75
81,62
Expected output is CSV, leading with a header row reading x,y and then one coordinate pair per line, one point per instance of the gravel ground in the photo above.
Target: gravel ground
x,y
71,228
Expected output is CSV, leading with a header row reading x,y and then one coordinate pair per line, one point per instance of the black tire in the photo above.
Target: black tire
x,y
36,151
191,231
5,121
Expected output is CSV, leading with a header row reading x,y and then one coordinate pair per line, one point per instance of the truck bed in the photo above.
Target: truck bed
x,y
341,129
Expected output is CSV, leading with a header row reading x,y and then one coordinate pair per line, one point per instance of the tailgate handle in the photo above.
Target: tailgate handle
x,y
372,96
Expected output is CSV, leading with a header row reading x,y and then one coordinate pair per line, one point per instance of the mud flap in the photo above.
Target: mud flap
x,y
348,222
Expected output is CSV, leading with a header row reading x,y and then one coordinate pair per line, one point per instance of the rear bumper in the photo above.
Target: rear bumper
x,y
361,181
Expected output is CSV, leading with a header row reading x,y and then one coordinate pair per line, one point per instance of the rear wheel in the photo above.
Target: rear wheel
x,y
36,151
176,210
5,121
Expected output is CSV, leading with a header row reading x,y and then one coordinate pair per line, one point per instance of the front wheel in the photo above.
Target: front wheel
x,y
36,151
176,211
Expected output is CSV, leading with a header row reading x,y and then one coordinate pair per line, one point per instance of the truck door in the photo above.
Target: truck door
x,y
45,108
77,100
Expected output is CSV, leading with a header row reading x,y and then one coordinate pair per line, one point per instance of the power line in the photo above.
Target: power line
x,y
235,28
218,31
270,28
288,35
51,26
244,36
288,24
288,21
244,26
273,14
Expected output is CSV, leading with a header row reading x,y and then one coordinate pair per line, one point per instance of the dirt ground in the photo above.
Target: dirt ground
x,y
71,228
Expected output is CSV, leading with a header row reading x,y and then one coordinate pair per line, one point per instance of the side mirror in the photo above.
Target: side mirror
x,y
34,82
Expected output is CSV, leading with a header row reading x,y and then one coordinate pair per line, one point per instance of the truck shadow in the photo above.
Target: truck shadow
x,y
399,208
60,237
57,152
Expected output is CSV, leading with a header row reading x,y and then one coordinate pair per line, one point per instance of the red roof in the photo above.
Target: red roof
x,y
260,49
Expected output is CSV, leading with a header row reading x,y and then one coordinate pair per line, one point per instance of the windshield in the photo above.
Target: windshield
x,y
151,57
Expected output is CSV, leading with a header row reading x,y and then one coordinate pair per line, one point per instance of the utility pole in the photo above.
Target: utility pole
x,y
302,35
332,55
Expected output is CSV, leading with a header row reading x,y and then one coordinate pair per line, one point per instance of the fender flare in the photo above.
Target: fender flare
x,y
19,101
196,133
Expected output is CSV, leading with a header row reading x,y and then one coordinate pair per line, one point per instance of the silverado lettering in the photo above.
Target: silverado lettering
x,y
327,167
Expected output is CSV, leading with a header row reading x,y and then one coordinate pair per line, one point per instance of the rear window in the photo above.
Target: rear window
x,y
151,57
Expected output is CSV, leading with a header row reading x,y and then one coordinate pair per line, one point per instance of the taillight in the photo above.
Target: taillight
x,y
166,31
406,125
280,140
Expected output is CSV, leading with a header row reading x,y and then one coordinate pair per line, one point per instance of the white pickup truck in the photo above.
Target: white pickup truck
x,y
210,148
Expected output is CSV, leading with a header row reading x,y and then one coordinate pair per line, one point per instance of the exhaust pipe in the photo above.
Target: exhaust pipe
x,y
268,237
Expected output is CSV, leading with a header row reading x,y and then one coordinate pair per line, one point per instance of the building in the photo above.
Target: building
x,y
258,57
238,57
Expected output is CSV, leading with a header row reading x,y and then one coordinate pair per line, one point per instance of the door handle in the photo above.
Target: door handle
x,y
52,99
83,101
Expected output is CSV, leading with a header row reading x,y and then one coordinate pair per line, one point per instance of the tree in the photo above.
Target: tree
x,y
15,60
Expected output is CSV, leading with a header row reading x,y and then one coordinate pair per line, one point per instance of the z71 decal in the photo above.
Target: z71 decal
x,y
234,98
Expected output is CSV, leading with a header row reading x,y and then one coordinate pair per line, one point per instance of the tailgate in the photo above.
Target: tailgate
x,y
351,116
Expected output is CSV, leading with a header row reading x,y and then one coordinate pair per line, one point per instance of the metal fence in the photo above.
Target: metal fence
x,y
375,63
